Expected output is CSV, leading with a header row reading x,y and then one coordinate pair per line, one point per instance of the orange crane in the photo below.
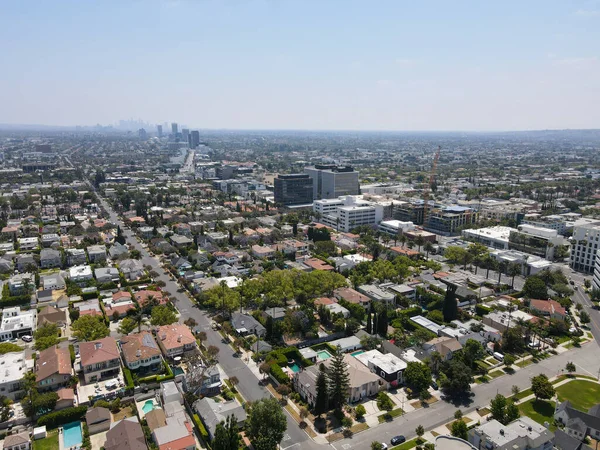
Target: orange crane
x,y
428,187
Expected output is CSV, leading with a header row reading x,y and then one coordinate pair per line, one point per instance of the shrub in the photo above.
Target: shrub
x,y
128,378
56,418
411,312
201,428
279,374
72,353
482,310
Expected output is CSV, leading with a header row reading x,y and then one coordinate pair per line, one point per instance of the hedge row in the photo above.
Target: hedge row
x,y
201,429
128,378
279,374
411,312
57,418
158,378
482,310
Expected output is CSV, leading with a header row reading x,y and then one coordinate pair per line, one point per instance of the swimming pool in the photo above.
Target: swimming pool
x,y
72,436
323,355
357,352
148,406
295,367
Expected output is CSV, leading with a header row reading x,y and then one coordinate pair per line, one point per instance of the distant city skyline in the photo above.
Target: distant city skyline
x,y
303,65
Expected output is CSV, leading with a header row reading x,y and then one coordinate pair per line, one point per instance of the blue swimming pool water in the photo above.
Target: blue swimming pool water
x,y
323,355
295,367
357,352
148,406
72,434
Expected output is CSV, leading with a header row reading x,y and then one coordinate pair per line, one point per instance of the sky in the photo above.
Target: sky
x,y
305,64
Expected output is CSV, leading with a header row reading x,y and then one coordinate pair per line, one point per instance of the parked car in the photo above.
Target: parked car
x,y
27,338
434,385
398,440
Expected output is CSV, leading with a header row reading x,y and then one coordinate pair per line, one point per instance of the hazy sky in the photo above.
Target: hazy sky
x,y
323,64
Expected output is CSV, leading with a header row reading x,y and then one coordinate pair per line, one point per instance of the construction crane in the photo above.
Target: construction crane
x,y
428,187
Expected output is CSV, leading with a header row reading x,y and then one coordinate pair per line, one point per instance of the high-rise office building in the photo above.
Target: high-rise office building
x,y
331,181
174,128
293,189
142,134
194,139
185,134
159,130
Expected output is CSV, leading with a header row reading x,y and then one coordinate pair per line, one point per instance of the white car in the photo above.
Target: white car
x,y
27,338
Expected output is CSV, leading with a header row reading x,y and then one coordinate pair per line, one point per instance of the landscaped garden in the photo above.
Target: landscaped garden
x,y
582,394
50,442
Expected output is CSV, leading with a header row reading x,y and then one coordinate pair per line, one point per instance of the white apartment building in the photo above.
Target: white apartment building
x,y
13,366
596,279
393,227
553,222
537,241
584,245
494,237
351,213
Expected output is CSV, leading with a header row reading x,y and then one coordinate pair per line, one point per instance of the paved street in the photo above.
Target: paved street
x,y
233,366
586,359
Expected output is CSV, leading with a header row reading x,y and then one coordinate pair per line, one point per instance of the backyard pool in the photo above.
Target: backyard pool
x,y
359,352
323,355
177,370
295,367
148,406
72,435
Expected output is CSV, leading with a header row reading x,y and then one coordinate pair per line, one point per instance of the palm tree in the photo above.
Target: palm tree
x,y
419,241
138,317
502,265
428,247
403,240
514,269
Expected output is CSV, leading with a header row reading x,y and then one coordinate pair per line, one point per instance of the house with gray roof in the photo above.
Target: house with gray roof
x,y
49,258
244,324
579,424
212,413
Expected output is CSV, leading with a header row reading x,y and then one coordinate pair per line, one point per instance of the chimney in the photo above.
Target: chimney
x,y
179,338
138,353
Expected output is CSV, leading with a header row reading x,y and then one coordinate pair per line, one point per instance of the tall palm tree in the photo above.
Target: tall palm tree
x,y
428,247
514,269
138,317
502,265
419,241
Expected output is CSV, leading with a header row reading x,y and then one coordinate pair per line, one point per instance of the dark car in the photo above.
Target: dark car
x,y
434,385
398,440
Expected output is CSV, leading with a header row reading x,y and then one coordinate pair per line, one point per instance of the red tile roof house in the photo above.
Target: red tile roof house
x,y
120,308
53,368
140,351
100,359
317,264
352,296
142,297
549,308
175,339
323,301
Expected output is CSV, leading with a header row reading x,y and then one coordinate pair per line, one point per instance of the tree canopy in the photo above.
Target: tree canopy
x,y
266,424
90,328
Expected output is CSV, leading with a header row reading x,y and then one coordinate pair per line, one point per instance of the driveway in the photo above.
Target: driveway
x,y
231,364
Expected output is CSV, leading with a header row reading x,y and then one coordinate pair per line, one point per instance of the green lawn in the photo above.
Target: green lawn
x,y
524,363
48,443
582,394
406,446
495,374
390,415
539,410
